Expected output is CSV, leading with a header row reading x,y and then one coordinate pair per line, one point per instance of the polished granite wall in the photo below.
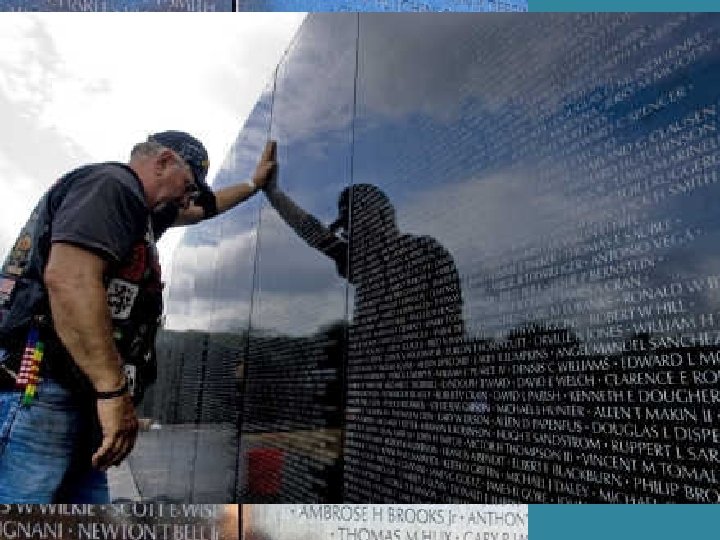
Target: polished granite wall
x,y
517,300
116,5
264,5
383,5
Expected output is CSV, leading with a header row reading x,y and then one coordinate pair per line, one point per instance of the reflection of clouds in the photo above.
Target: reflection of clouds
x,y
299,289
480,216
414,65
697,270
298,314
457,52
284,254
540,206
452,68
197,299
243,155
495,221
309,101
292,314
216,315
211,284
492,225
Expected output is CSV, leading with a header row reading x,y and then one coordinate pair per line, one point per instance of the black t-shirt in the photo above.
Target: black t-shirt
x,y
163,218
98,207
103,210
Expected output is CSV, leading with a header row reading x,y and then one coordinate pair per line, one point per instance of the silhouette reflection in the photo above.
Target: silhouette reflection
x,y
406,327
579,363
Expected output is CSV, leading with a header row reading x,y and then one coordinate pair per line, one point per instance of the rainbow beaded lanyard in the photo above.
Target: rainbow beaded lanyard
x,y
29,372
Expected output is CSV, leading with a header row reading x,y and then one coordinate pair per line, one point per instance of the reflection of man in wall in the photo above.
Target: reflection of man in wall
x,y
81,300
407,323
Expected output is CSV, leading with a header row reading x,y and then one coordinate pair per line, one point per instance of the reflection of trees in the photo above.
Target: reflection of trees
x,y
536,373
292,413
284,392
200,375
294,382
196,378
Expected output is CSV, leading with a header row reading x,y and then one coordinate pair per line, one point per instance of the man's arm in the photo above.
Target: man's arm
x,y
307,226
231,196
78,302
225,199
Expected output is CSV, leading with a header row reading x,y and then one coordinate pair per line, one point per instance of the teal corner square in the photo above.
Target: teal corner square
x,y
623,5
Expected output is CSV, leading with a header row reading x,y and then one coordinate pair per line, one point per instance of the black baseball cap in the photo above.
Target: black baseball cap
x,y
190,149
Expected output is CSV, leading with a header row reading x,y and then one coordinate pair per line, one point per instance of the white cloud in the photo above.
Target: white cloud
x,y
79,87
483,236
211,285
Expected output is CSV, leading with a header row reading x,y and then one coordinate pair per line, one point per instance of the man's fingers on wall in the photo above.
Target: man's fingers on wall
x,y
269,152
101,458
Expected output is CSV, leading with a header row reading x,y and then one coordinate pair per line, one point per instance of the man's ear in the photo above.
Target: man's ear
x,y
164,159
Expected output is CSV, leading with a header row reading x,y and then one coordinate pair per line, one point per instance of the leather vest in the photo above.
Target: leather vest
x,y
134,296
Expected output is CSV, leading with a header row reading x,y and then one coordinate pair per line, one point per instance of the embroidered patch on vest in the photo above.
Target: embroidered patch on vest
x,y
121,297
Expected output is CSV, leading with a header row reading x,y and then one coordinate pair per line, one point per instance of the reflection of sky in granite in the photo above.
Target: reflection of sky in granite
x,y
383,5
225,247
115,5
314,168
460,138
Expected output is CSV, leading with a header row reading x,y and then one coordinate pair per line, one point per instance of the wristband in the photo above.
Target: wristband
x,y
114,393
207,201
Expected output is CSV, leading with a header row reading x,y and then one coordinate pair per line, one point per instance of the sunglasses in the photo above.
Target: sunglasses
x,y
191,188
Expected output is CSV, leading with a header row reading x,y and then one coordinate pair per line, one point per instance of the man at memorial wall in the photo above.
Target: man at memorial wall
x,y
417,270
80,301
407,319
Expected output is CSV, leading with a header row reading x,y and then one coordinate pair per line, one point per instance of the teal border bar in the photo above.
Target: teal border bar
x,y
623,522
623,5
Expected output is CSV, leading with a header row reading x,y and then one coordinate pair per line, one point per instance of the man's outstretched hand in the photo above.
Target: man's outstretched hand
x,y
264,172
119,430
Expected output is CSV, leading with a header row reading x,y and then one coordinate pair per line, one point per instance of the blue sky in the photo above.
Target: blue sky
x,y
64,103
462,124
